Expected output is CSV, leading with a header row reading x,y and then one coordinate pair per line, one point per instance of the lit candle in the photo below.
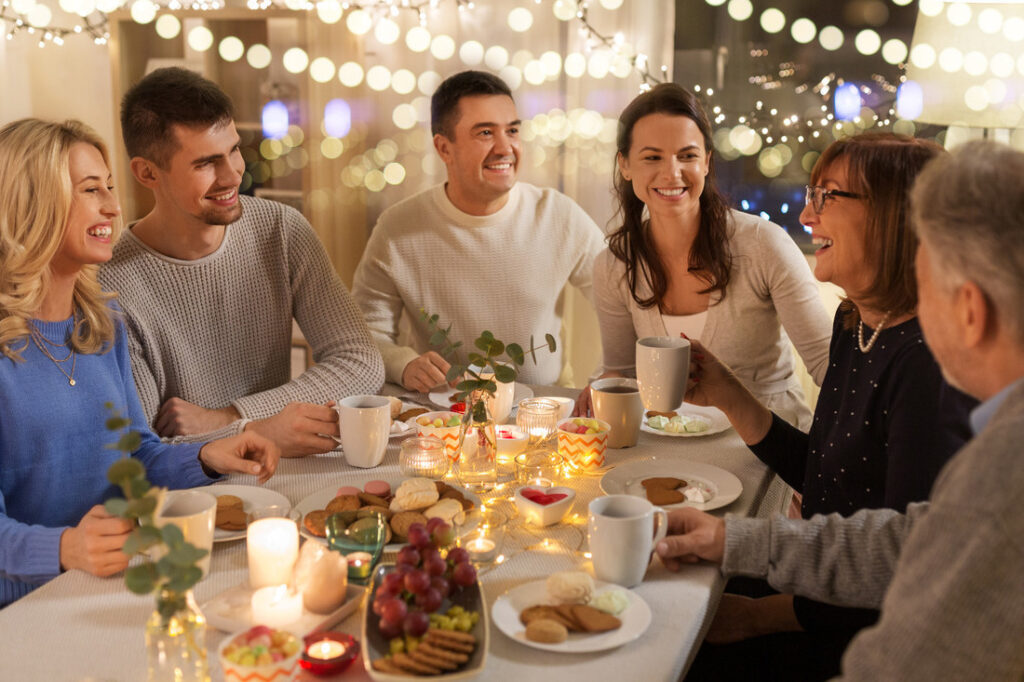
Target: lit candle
x,y
359,564
481,549
273,547
325,649
541,482
276,606
328,653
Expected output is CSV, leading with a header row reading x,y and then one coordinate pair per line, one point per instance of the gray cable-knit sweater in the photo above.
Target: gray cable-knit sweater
x,y
948,574
217,331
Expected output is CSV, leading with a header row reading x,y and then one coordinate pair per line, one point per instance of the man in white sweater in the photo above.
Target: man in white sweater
x,y
210,281
482,251
947,574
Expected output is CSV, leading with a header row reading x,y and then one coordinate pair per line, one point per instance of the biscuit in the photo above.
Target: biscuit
x,y
669,482
448,510
421,656
385,665
594,620
401,522
546,631
230,518
545,612
409,414
663,496
666,415
372,500
344,503
442,653
229,501
452,640
315,522
370,510
408,664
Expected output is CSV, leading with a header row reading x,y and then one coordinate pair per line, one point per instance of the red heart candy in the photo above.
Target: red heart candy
x,y
545,500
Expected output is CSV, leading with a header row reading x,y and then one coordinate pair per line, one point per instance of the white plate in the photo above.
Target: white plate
x,y
625,479
319,500
719,422
253,497
505,614
231,611
442,398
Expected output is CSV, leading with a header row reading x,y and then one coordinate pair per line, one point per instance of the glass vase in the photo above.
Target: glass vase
x,y
176,640
477,465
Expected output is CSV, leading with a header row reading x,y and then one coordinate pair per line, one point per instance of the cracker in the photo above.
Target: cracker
x,y
545,612
229,501
421,656
409,664
438,651
385,665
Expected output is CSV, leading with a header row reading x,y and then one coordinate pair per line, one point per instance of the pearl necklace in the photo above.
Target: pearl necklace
x,y
865,347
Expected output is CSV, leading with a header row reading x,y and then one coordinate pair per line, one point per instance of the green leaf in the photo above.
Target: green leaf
x,y
453,373
515,353
490,387
456,345
183,579
171,605
172,535
142,538
533,350
144,506
479,411
482,343
129,442
141,579
124,469
186,554
551,342
477,359
116,506
434,318
504,374
468,385
117,423
496,349
485,334
139,487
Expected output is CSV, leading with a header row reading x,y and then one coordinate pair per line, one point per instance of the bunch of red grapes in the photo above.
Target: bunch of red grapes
x,y
422,580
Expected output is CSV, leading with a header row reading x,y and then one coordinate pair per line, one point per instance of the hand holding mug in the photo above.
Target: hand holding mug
x,y
692,535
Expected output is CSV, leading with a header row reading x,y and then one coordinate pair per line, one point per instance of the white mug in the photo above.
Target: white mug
x,y
365,425
623,531
194,512
662,370
617,401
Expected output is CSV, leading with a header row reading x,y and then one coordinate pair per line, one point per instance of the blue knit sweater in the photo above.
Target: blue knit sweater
x,y
53,454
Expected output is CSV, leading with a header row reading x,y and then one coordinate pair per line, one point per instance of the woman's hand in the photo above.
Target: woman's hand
x,y
246,453
739,618
94,545
713,383
584,404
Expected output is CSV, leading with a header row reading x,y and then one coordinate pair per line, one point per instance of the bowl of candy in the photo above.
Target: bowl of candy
x,y
582,441
260,653
511,440
444,425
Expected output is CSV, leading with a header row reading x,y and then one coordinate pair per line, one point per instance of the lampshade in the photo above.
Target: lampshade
x,y
966,66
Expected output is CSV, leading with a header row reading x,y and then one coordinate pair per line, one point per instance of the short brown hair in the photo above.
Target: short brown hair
x,y
163,99
883,167
444,103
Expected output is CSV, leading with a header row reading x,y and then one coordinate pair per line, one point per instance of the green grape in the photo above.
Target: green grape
x,y
396,646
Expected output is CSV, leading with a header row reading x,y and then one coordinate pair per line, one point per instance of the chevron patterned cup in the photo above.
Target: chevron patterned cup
x,y
583,452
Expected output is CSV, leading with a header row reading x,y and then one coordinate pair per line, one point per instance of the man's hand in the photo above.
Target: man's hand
x,y
94,545
178,417
300,429
692,536
425,372
246,453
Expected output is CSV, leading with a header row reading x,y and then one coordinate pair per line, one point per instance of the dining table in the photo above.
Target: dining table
x,y
83,628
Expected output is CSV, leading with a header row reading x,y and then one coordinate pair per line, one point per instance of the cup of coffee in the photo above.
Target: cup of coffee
x,y
194,512
617,401
662,370
365,425
623,531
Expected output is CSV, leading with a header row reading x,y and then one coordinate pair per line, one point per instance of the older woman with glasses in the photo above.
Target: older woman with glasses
x,y
885,423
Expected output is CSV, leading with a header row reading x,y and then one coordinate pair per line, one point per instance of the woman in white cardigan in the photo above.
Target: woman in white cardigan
x,y
684,263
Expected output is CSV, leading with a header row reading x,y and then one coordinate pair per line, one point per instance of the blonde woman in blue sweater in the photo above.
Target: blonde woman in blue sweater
x,y
63,355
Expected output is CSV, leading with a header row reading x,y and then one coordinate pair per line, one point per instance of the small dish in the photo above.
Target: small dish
x,y
565,405
539,512
583,452
511,440
253,497
448,434
282,670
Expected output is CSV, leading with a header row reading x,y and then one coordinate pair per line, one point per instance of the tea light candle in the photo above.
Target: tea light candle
x,y
276,606
481,550
272,546
325,650
423,456
542,482
359,565
328,653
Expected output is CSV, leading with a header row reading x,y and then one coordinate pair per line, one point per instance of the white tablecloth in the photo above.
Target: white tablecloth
x,y
79,627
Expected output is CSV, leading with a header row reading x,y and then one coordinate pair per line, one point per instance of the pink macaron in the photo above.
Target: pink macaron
x,y
348,490
378,488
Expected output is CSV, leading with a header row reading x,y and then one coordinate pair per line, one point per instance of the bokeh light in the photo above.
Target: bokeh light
x,y
329,11
295,60
773,20
337,118
350,74
803,30
359,22
275,119
831,38
442,47
378,78
200,39
418,39
258,55
168,26
867,42
471,53
322,70
520,19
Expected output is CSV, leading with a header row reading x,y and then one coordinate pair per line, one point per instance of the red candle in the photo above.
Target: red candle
x,y
328,653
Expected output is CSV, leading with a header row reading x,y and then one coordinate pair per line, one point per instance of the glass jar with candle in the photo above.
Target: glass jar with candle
x,y
423,456
538,417
539,468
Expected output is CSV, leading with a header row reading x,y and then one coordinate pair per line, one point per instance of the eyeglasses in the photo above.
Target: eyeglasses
x,y
816,195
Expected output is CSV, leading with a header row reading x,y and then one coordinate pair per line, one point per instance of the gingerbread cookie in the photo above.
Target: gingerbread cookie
x,y
316,522
668,482
664,496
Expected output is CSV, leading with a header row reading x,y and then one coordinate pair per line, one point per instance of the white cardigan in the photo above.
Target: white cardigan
x,y
770,283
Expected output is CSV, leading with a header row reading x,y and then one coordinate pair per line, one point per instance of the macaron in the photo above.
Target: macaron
x,y
378,488
348,490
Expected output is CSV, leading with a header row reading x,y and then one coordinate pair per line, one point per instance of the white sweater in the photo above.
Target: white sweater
x,y
770,283
503,272
217,331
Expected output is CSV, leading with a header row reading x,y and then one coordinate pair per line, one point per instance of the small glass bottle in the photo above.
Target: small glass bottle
x,y
176,640
476,467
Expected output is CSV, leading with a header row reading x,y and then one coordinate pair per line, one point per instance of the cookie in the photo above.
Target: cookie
x,y
664,496
368,499
401,522
655,413
409,414
378,488
315,522
545,612
344,503
594,620
546,631
668,482
372,509
410,665
229,501
230,518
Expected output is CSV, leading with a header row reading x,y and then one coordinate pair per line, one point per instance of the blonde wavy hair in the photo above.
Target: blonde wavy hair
x,y
35,201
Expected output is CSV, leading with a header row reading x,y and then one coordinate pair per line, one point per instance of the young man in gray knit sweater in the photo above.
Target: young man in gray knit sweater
x,y
949,574
210,281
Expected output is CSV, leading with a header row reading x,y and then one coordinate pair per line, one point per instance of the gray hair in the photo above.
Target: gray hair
x,y
968,208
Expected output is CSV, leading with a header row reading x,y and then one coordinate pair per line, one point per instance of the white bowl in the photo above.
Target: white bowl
x,y
279,671
565,405
511,444
545,514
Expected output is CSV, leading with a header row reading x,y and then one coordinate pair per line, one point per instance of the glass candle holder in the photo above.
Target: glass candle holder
x,y
361,549
423,456
542,469
484,544
538,417
328,653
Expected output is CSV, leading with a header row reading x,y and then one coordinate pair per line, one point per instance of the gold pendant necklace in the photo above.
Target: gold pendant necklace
x,y
41,341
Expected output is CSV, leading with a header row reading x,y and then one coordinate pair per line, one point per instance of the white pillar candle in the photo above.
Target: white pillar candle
x,y
275,606
273,547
